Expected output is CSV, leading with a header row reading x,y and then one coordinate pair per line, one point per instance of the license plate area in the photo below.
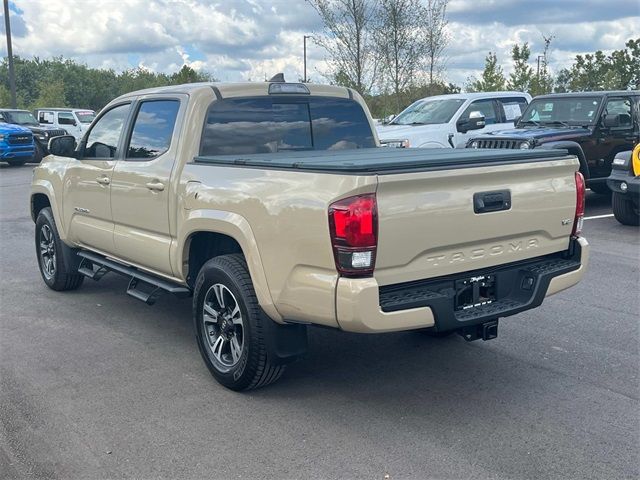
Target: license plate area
x,y
475,292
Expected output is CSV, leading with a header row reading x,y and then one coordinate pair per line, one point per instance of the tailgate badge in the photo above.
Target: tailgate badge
x,y
566,221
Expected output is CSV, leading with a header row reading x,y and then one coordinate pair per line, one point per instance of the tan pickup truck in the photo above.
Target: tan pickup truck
x,y
274,207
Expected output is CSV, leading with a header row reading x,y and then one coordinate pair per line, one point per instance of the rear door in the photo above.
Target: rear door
x,y
141,186
428,226
87,185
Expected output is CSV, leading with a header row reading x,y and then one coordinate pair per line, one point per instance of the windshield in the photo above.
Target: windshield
x,y
428,112
85,117
21,118
562,110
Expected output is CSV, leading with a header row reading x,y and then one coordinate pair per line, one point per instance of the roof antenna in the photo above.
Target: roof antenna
x,y
278,77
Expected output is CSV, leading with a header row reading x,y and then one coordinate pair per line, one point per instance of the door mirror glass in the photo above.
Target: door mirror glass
x,y
63,146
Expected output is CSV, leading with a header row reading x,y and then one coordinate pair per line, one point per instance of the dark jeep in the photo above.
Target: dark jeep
x,y
594,126
41,134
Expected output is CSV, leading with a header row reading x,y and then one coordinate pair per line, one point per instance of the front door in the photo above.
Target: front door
x,y
612,140
67,120
141,188
486,108
87,185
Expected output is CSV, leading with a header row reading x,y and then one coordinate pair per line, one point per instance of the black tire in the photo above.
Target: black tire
x,y
625,209
252,367
600,188
52,265
16,163
38,154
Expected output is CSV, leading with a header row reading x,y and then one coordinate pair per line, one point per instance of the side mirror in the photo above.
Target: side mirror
x,y
63,146
475,121
611,121
516,120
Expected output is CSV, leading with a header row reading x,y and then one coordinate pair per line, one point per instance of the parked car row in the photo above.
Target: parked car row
x,y
593,126
25,137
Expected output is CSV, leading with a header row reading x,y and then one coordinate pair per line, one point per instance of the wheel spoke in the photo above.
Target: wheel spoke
x,y
236,350
218,290
236,317
209,312
218,345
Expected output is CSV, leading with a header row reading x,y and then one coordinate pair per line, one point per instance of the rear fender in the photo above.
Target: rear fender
x,y
236,227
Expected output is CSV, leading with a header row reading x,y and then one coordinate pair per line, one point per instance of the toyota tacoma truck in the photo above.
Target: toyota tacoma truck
x,y
272,205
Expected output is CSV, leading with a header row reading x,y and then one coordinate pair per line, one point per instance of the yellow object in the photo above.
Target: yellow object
x,y
635,158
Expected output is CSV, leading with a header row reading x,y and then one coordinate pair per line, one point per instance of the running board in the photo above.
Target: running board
x,y
142,286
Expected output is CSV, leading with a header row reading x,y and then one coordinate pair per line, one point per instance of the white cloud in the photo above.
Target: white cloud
x,y
242,39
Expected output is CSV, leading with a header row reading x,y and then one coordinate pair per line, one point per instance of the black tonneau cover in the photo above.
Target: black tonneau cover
x,y
381,160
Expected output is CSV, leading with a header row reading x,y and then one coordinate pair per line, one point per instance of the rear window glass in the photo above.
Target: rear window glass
x,y
274,124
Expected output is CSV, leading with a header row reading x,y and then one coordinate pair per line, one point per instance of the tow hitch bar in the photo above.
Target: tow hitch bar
x,y
485,331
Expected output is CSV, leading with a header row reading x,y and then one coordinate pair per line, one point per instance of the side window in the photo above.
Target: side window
x,y
485,107
153,129
65,118
102,141
45,117
513,107
621,107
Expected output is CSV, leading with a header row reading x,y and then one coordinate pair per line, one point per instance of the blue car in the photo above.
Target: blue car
x,y
16,144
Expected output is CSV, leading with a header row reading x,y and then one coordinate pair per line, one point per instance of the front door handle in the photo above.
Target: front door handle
x,y
156,186
103,180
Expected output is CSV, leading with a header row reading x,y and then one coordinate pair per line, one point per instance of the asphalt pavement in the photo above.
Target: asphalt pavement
x,y
95,384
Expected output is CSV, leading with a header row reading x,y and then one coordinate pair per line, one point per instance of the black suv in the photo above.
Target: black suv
x,y
594,126
41,134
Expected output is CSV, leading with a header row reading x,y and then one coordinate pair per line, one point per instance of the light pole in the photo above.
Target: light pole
x,y
12,75
304,42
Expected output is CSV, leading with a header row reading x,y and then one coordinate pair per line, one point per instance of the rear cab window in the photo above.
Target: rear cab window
x,y
274,124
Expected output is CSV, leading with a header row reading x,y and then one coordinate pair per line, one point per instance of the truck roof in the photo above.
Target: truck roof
x,y
239,89
591,94
475,95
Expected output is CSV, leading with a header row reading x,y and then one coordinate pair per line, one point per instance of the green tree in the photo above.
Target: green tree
x,y
50,94
522,75
618,71
492,78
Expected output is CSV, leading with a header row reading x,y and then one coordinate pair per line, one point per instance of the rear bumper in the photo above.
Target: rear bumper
x,y
363,306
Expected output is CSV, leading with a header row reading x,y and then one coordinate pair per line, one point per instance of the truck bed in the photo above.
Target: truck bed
x,y
381,160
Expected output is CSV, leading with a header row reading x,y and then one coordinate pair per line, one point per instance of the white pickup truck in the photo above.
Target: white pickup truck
x,y
448,121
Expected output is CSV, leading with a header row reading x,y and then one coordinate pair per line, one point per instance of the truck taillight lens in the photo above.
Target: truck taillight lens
x,y
353,223
577,222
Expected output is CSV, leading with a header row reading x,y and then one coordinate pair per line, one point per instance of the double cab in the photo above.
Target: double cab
x,y
273,207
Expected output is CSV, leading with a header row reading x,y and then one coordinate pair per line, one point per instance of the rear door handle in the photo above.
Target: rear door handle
x,y
103,180
156,186
484,202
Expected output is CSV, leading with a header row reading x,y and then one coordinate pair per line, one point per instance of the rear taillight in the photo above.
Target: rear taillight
x,y
577,222
353,223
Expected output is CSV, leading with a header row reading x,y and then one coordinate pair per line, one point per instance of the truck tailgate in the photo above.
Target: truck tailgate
x,y
428,225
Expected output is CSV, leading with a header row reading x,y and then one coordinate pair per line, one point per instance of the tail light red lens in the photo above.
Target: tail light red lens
x,y
579,217
353,223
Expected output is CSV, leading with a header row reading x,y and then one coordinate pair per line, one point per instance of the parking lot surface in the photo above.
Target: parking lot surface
x,y
95,384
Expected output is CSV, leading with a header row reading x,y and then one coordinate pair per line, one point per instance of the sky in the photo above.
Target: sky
x,y
238,40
